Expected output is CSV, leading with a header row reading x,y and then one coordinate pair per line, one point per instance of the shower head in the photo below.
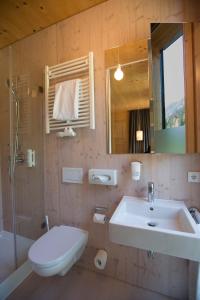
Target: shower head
x,y
10,86
8,83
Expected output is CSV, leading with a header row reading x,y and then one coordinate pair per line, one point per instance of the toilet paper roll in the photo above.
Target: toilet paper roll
x,y
197,216
100,259
99,218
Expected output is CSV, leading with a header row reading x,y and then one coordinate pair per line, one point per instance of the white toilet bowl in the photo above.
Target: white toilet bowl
x,y
57,250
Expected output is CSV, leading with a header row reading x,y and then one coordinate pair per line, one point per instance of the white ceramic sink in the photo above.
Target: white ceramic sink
x,y
165,226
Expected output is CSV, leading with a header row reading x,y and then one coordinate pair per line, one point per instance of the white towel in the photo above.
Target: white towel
x,y
66,100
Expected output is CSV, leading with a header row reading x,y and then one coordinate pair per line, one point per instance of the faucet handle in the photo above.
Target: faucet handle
x,y
150,191
151,187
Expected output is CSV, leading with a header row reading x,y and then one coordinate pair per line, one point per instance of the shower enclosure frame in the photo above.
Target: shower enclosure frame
x,y
12,160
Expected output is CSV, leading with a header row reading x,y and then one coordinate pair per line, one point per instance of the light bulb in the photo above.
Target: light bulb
x,y
139,135
119,73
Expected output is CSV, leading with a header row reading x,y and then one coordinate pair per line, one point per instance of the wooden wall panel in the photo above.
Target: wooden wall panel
x,y
120,131
4,138
19,19
29,182
1,205
189,89
110,24
126,53
197,80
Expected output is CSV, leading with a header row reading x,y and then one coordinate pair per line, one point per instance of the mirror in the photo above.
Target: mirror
x,y
128,99
130,109
151,107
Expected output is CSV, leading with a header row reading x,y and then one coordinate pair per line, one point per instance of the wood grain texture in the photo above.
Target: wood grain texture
x,y
120,131
189,89
126,53
197,80
4,140
19,19
115,22
29,187
132,92
111,24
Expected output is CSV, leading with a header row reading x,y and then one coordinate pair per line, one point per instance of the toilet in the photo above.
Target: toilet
x,y
58,250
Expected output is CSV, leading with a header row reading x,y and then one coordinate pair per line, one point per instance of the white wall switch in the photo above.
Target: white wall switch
x,y
102,176
193,176
72,175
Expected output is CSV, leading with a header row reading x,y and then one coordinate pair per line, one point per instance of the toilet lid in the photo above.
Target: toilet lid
x,y
56,243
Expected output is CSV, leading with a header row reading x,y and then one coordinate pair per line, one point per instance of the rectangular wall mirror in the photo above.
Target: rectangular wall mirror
x,y
128,98
149,92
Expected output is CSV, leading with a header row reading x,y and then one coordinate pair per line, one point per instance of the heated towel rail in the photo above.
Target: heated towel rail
x,y
82,68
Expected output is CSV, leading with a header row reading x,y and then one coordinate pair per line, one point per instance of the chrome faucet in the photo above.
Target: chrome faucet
x,y
150,191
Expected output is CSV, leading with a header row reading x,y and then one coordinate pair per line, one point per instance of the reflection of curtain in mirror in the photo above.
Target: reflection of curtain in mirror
x,y
142,117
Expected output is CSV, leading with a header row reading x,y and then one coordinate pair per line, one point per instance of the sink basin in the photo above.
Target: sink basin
x,y
164,226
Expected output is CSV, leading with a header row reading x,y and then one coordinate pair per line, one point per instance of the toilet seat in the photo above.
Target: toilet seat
x,y
57,245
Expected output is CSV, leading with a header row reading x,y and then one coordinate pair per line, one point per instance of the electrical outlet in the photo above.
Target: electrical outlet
x,y
193,176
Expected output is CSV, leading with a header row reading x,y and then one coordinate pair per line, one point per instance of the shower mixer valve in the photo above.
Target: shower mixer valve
x,y
29,159
20,158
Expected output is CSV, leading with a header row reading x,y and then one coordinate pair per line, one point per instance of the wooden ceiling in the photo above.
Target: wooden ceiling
x,y
19,19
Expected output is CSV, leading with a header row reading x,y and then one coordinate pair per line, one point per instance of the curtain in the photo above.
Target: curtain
x,y
139,120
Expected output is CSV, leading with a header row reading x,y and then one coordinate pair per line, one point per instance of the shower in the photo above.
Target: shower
x,y
21,161
11,238
16,157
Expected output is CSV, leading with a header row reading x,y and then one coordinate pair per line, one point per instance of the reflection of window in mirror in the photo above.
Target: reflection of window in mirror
x,y
172,73
168,87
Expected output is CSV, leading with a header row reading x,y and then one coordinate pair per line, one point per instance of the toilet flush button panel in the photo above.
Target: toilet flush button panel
x,y
194,177
102,176
72,175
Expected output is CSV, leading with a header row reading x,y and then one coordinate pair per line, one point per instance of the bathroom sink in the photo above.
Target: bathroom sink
x,y
164,226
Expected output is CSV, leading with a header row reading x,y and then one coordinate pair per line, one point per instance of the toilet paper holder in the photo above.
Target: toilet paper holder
x,y
102,210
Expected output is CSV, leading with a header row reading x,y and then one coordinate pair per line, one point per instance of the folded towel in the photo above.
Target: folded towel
x,y
66,100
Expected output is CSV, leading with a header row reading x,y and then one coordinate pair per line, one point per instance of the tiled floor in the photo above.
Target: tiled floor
x,y
80,284
7,264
